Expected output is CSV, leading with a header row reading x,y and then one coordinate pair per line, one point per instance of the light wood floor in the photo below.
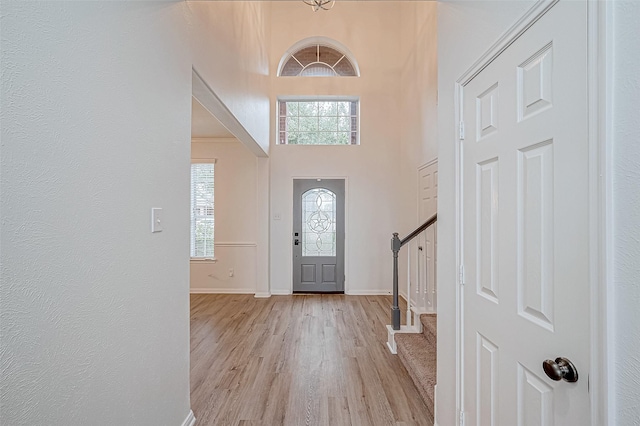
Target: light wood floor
x,y
297,360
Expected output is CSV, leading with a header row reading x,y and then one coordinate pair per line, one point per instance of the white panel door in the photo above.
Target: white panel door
x,y
428,206
526,227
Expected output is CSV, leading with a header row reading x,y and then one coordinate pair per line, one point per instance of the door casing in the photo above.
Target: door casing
x,y
346,228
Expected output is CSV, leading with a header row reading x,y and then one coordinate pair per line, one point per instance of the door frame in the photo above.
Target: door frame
x,y
419,221
420,168
346,227
599,60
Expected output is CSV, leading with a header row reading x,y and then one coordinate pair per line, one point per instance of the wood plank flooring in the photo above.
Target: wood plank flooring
x,y
297,360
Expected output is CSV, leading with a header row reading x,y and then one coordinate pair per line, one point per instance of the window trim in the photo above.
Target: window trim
x,y
318,98
202,259
319,40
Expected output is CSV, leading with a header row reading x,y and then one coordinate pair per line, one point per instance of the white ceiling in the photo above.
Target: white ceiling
x,y
205,125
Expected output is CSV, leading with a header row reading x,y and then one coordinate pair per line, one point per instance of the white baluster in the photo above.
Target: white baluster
x,y
409,324
418,277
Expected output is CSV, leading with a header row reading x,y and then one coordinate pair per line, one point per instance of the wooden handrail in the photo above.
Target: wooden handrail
x,y
419,229
396,245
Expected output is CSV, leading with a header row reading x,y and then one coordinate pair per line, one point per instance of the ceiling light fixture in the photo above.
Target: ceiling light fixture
x,y
320,4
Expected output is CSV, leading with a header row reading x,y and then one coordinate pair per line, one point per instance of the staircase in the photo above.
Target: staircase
x,y
415,342
417,351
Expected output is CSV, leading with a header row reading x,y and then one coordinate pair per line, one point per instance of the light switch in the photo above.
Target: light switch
x,y
156,219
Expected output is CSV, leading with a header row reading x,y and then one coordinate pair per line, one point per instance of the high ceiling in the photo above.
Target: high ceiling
x,y
205,125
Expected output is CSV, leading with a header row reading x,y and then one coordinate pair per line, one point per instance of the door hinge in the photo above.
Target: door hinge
x,y
461,277
461,130
461,418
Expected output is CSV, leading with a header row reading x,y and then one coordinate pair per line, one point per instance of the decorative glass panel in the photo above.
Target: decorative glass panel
x,y
318,223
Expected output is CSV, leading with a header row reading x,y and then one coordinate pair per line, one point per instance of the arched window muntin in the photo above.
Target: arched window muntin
x,y
318,57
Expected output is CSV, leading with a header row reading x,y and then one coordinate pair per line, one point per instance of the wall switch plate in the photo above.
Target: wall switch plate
x,y
156,219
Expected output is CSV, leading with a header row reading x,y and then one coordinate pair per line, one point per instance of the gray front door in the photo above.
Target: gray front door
x,y
318,235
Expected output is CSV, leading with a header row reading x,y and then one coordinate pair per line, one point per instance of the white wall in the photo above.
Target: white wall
x,y
465,30
626,215
95,122
371,33
418,92
231,44
95,132
231,40
235,214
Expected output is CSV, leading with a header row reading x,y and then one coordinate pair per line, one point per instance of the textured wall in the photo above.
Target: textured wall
x,y
95,124
626,176
95,131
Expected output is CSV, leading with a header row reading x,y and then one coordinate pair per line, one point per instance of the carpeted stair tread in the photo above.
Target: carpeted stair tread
x,y
430,327
419,358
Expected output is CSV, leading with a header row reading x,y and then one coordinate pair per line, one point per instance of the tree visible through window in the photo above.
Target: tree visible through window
x,y
318,122
202,202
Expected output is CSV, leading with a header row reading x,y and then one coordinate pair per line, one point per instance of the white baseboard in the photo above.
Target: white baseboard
x,y
222,291
282,292
275,292
190,420
368,292
262,295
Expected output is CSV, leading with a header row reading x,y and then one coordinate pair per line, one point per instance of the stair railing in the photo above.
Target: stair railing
x,y
396,245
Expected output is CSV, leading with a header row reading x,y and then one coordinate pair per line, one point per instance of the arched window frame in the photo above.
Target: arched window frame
x,y
319,41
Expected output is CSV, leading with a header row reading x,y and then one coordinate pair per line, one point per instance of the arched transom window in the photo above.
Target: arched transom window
x,y
318,60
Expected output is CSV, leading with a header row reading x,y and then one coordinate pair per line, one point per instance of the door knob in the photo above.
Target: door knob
x,y
560,369
296,241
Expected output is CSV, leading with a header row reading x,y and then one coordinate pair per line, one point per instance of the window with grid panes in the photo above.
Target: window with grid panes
x,y
202,208
318,122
